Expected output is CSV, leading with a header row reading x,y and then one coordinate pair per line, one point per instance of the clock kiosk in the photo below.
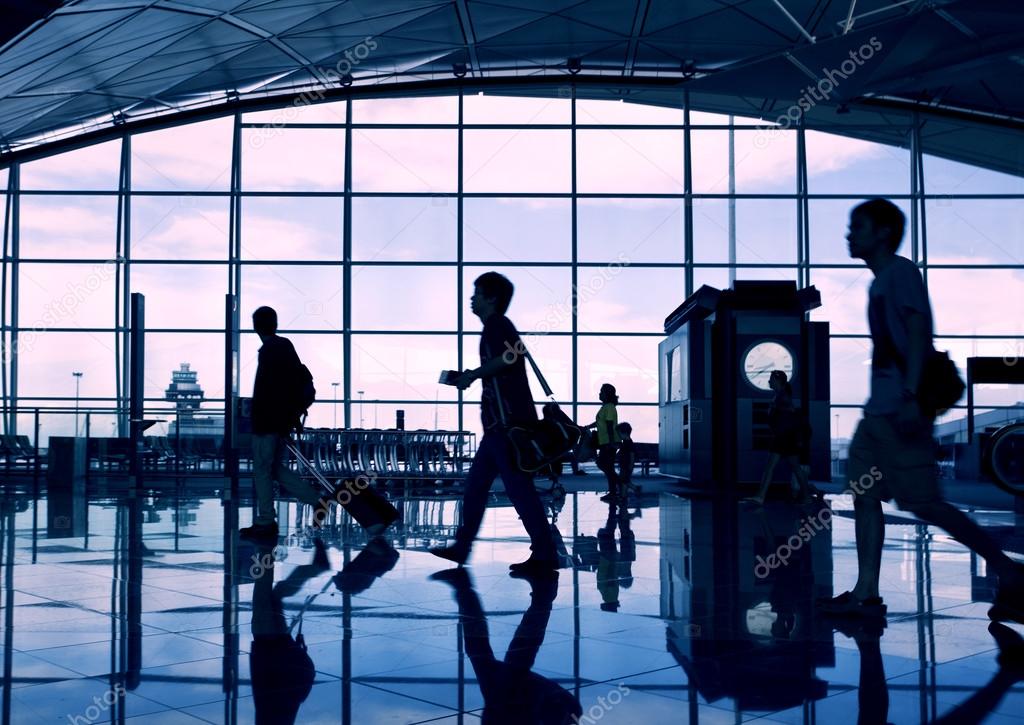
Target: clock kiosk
x,y
713,398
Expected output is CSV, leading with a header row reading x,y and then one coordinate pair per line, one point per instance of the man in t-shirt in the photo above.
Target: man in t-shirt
x,y
892,454
504,401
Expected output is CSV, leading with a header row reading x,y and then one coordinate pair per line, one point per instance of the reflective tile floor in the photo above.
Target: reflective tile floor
x,y
148,609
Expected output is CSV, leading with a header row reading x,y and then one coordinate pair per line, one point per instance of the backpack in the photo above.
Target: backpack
x,y
303,393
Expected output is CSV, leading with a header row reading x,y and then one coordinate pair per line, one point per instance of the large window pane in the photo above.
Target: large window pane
x,y
68,227
178,295
765,162
292,228
396,229
306,297
487,108
710,230
202,351
844,299
179,227
841,165
193,157
66,295
293,159
403,367
850,363
514,230
766,231
633,230
623,113
47,359
942,176
300,112
634,162
430,109
93,168
629,299
542,301
517,161
403,298
322,354
628,363
416,160
985,301
829,223
975,231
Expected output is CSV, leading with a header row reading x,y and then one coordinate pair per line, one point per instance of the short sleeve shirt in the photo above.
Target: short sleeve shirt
x,y
607,414
510,389
896,293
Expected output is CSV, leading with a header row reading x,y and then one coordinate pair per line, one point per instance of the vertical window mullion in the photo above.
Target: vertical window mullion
x,y
346,274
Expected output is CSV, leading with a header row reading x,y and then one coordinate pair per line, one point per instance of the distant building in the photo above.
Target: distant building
x,y
955,431
187,396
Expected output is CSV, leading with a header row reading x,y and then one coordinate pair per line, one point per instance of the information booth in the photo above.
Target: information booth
x,y
713,399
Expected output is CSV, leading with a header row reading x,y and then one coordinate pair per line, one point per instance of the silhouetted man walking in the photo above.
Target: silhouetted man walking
x,y
505,400
892,455
274,416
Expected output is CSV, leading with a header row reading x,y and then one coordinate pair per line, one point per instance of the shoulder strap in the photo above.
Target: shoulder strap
x,y
536,371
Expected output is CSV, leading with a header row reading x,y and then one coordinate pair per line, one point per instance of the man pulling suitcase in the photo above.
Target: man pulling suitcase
x,y
282,392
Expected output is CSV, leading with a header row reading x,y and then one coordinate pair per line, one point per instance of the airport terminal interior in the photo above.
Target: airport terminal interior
x,y
669,186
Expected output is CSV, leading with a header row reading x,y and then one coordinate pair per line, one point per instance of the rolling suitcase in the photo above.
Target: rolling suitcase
x,y
370,510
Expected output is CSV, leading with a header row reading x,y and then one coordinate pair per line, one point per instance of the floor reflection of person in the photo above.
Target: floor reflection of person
x,y
873,689
512,693
281,670
615,564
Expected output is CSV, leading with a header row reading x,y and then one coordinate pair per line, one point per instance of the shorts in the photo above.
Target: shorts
x,y
884,464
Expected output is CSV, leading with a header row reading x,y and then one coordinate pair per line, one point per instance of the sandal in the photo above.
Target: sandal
x,y
846,604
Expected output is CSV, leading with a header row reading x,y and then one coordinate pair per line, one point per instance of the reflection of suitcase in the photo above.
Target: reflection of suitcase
x,y
370,510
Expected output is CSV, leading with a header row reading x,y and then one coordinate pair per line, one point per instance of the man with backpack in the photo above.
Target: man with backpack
x,y
278,401
892,454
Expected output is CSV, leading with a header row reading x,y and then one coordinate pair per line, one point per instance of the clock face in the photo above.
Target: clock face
x,y
764,357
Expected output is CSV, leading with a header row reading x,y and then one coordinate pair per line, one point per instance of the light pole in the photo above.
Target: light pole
x,y
78,380
360,393
335,404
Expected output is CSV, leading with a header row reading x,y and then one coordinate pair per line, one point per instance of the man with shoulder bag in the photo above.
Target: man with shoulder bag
x,y
505,402
892,454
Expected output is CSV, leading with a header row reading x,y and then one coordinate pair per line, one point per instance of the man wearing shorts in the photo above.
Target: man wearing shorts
x,y
892,455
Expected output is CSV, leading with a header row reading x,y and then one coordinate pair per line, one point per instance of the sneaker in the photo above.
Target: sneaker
x,y
610,498
259,531
453,554
848,605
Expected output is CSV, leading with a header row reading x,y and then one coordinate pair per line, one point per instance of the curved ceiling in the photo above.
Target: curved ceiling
x,y
92,68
